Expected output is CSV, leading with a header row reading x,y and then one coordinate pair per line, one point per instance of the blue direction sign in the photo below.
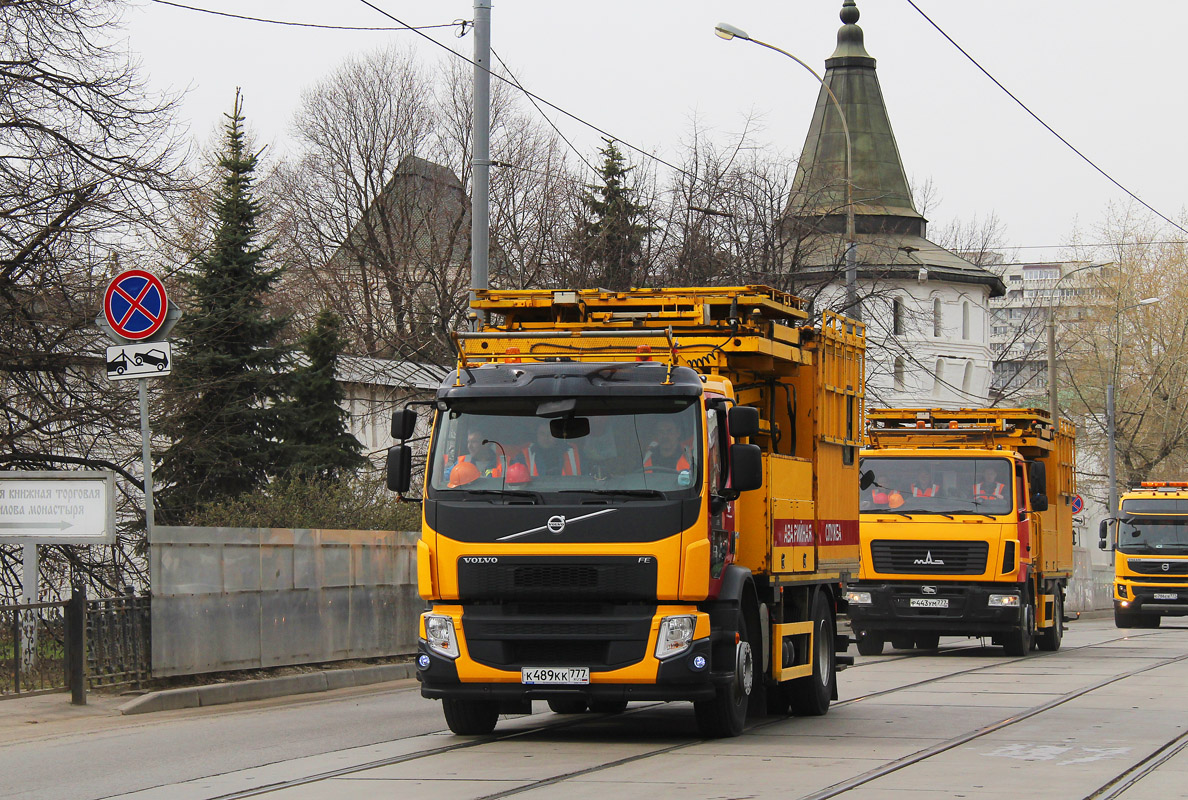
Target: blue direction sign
x,y
135,304
1078,504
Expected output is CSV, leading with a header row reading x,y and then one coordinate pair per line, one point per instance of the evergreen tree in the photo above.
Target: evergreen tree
x,y
318,444
609,241
221,401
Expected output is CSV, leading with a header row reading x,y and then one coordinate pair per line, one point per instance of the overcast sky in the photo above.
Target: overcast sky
x,y
1106,75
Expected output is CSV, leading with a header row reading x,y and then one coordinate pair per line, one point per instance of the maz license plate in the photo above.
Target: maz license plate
x,y
1166,596
555,675
929,602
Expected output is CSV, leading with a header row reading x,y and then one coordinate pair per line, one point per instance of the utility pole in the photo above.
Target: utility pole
x,y
480,224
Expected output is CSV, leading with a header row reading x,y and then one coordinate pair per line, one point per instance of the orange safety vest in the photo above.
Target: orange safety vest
x,y
996,494
572,465
927,491
682,462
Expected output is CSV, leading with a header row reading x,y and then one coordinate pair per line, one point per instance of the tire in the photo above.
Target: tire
x,y
1125,619
138,360
470,717
726,714
903,641
1020,641
926,640
608,706
1149,621
1049,639
870,645
568,705
811,695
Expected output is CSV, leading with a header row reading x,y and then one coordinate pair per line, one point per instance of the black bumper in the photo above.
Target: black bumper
x,y
1142,600
968,612
677,678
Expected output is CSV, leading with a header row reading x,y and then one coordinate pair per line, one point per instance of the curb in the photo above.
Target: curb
x,y
266,688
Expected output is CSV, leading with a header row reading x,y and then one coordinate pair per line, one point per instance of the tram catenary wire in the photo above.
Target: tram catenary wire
x,y
828,792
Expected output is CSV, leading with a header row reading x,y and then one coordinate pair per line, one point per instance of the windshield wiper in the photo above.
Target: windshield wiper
x,y
535,497
965,511
623,492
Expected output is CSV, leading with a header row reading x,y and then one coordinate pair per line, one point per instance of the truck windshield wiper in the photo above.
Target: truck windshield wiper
x,y
622,492
533,496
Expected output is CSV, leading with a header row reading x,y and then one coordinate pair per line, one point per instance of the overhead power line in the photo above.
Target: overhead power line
x,y
290,23
1048,127
535,96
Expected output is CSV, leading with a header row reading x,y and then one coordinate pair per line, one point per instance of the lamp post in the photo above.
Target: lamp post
x,y
728,32
1110,418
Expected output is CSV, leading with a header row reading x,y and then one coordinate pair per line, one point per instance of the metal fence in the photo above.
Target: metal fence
x,y
119,640
33,648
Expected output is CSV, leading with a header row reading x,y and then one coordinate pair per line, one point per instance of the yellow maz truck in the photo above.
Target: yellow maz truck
x,y
1149,538
639,495
966,528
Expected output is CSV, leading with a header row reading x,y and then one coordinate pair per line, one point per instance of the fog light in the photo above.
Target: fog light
x,y
858,598
1125,604
1004,601
423,661
698,662
440,636
676,634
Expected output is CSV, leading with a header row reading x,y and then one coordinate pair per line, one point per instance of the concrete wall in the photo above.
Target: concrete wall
x,y
240,598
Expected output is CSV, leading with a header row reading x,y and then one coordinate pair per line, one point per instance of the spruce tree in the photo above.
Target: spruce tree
x,y
609,241
221,401
319,446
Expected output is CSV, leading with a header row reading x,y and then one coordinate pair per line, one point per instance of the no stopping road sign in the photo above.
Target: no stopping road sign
x,y
135,304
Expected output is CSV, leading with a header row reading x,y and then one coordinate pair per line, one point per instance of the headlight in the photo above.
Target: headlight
x,y
1121,589
676,634
440,636
1004,601
858,598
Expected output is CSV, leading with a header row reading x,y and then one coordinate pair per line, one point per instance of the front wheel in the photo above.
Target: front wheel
x,y
1019,641
870,645
811,695
1049,639
927,640
470,717
726,714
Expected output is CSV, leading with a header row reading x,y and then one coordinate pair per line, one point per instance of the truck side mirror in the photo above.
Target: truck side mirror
x,y
1037,474
744,421
1103,534
746,468
404,422
399,468
1039,501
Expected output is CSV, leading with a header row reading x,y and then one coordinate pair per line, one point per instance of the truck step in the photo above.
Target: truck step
x,y
843,661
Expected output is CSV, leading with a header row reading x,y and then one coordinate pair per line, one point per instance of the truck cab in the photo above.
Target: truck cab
x,y
1149,539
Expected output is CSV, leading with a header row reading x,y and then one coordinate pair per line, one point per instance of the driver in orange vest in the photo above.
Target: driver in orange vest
x,y
667,452
924,486
989,488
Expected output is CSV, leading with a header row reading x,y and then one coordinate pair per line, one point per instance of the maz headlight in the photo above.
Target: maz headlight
x,y
440,635
1004,601
676,634
858,598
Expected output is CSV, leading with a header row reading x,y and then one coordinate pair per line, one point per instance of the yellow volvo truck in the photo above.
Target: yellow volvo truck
x,y
639,495
966,528
1149,538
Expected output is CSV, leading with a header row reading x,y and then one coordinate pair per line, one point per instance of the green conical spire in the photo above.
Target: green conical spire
x,y
881,195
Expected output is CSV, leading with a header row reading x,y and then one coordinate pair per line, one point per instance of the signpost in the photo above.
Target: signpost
x,y
137,317
1078,504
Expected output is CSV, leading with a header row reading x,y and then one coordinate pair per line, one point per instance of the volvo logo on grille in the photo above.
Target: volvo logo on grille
x,y
927,590
556,524
1166,566
929,560
480,560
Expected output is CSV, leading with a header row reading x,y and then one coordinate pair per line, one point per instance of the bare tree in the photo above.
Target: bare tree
x,y
85,155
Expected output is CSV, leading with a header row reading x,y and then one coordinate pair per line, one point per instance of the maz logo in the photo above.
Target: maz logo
x,y
927,590
929,560
480,560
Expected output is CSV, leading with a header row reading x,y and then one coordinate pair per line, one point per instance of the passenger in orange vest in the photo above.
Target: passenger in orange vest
x,y
990,488
481,455
667,452
550,456
924,487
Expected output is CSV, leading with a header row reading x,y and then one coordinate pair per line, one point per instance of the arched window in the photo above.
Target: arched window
x,y
938,380
896,317
936,317
897,374
967,378
965,320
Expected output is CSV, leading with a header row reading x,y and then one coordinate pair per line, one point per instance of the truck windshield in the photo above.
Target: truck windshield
x,y
1153,534
937,486
627,447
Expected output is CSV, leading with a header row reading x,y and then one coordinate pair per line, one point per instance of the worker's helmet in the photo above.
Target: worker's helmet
x,y
895,500
517,473
463,473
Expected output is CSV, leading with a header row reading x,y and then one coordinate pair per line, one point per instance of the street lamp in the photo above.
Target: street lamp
x,y
1113,500
728,32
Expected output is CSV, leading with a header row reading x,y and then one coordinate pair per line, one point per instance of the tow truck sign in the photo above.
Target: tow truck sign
x,y
144,360
57,507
